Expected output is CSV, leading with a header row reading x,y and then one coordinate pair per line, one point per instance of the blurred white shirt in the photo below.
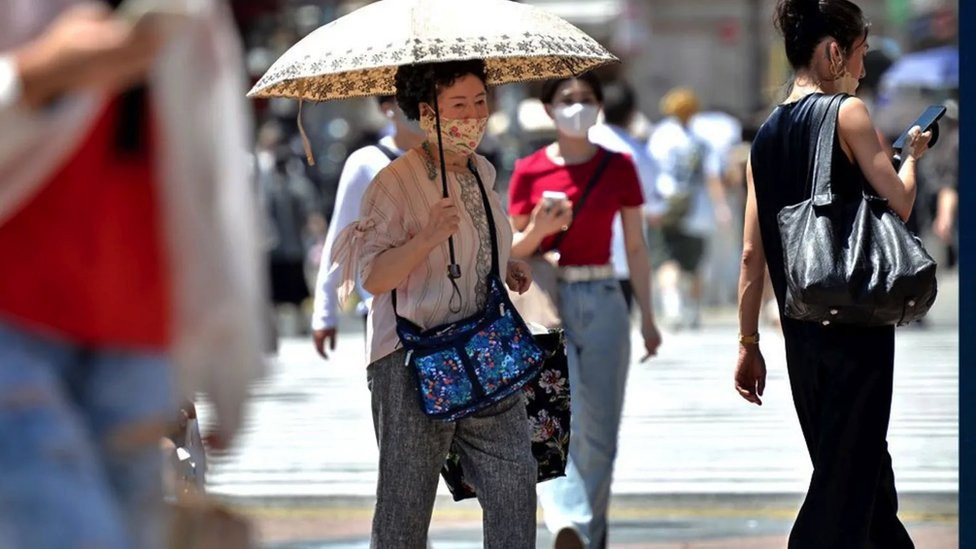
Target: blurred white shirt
x,y
616,139
721,131
358,172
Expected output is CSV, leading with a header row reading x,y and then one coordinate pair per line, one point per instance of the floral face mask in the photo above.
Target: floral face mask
x,y
460,135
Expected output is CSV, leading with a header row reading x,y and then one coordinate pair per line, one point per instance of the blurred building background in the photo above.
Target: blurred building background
x,y
726,50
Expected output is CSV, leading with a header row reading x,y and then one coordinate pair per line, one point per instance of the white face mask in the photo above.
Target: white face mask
x,y
576,120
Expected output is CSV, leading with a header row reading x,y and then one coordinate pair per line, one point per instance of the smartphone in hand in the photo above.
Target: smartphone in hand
x,y
929,120
553,200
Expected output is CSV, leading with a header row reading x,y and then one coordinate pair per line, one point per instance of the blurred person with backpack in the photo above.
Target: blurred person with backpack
x,y
689,180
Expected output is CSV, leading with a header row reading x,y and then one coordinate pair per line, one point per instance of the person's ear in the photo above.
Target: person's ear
x,y
835,60
836,54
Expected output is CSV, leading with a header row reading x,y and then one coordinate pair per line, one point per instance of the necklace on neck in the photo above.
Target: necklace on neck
x,y
432,164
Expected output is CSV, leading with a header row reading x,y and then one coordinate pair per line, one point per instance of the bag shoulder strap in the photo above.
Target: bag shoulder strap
x,y
492,231
594,179
822,141
387,151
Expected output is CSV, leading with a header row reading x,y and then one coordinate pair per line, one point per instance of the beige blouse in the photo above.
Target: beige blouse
x,y
394,209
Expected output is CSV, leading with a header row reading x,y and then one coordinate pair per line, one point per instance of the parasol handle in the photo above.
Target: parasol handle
x,y
453,269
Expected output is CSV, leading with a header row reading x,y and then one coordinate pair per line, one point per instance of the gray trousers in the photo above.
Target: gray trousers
x,y
495,449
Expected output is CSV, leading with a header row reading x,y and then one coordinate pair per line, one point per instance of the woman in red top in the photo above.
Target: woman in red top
x,y
591,303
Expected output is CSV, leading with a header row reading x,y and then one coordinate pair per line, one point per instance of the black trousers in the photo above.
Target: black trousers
x,y
841,379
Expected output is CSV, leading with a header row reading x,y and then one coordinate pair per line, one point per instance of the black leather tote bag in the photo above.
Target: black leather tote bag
x,y
850,261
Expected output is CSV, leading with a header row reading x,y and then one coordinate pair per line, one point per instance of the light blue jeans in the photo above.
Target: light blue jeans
x,y
597,328
76,469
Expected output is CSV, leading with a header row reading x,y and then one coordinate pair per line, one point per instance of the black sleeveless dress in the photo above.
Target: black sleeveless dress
x,y
841,376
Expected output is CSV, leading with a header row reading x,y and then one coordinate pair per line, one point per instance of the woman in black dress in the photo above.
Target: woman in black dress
x,y
841,377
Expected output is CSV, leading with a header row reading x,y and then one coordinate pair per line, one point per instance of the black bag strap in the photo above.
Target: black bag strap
x,y
594,179
387,151
823,139
489,216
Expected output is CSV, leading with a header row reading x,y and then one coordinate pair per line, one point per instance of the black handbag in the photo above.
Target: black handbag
x,y
850,261
547,403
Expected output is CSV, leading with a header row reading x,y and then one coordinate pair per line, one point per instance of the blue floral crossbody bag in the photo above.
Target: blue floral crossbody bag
x,y
466,366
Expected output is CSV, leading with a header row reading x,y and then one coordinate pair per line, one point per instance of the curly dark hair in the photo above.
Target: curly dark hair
x,y
416,84
804,23
550,87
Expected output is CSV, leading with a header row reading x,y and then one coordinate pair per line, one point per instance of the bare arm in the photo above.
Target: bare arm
x,y
531,230
87,47
639,264
750,370
527,239
753,267
716,191
638,260
859,139
947,207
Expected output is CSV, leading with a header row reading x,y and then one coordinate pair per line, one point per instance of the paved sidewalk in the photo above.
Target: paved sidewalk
x,y
305,466
658,522
684,429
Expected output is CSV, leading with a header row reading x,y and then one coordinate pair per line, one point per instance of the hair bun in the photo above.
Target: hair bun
x,y
804,23
807,7
791,14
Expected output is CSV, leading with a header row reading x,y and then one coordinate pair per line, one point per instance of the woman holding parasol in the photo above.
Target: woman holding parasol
x,y
399,243
433,207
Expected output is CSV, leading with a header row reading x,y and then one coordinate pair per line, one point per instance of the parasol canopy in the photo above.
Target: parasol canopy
x,y
357,55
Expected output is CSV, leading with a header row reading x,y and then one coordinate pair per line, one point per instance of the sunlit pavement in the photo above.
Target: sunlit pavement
x,y
697,466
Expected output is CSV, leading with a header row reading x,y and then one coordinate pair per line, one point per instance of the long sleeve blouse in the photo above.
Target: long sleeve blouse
x,y
394,209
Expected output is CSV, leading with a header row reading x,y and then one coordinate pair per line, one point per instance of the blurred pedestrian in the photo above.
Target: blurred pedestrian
x,y
398,244
722,132
128,227
619,110
591,303
360,169
290,203
938,201
689,180
841,376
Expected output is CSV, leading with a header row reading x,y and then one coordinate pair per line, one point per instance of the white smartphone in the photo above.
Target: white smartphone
x,y
553,199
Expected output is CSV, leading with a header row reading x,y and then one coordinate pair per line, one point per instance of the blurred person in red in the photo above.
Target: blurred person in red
x,y
591,302
127,232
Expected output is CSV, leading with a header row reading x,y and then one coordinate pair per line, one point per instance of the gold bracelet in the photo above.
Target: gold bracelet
x,y
749,339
